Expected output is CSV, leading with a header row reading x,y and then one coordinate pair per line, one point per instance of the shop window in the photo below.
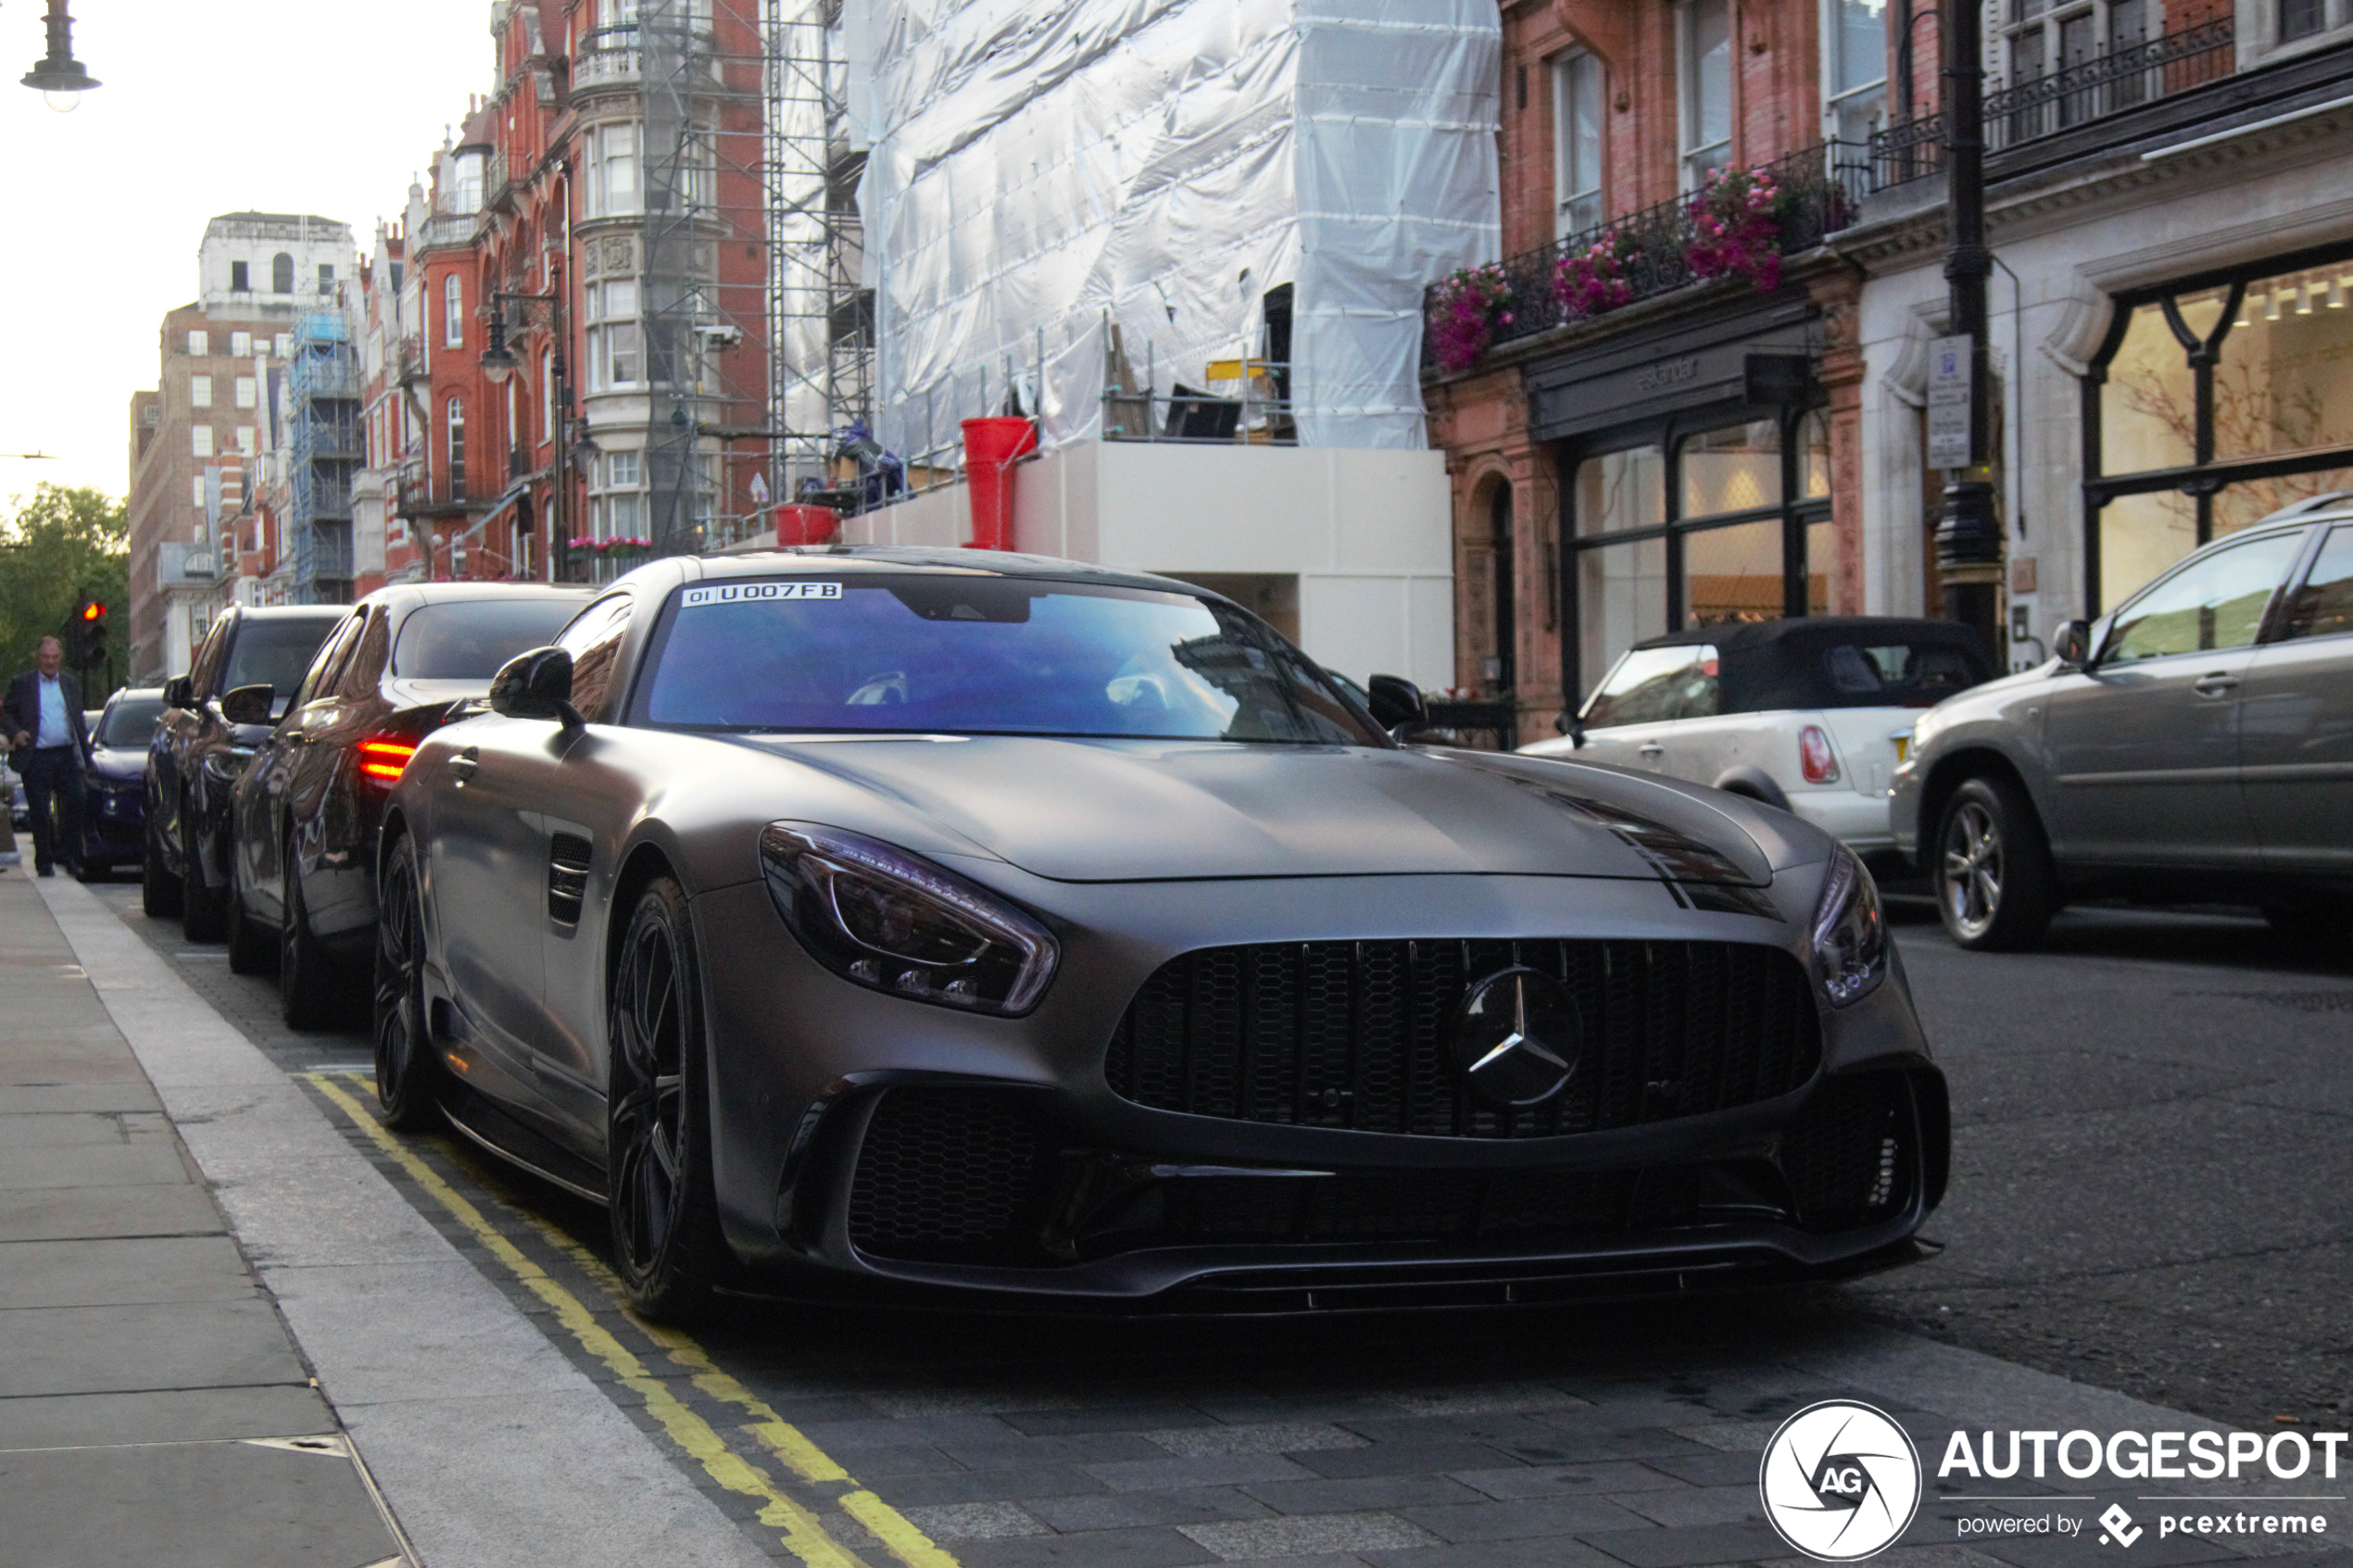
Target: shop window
x,y
1576,143
2215,407
1732,573
1706,70
1621,598
1620,490
1822,554
1734,469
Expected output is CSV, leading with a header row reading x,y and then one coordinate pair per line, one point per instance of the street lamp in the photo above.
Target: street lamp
x,y
1968,537
59,75
498,363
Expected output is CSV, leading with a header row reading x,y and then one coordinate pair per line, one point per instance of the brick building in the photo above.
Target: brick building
x,y
630,406
219,358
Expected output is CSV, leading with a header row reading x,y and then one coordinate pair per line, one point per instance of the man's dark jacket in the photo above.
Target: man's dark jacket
x,y
20,711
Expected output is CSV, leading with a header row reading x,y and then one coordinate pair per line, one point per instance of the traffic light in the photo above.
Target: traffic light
x,y
86,634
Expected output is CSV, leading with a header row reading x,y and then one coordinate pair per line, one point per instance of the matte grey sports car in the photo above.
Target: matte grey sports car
x,y
996,922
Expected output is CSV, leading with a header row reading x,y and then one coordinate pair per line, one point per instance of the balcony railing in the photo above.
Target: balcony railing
x,y
2110,83
1819,196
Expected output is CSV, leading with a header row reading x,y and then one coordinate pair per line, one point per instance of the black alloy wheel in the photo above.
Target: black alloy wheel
x,y
250,949
1992,868
667,1245
158,889
203,910
307,994
408,1073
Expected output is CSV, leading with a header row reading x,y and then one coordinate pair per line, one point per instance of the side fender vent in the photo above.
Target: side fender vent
x,y
568,857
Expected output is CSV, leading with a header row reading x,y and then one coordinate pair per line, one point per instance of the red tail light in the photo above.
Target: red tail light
x,y
1814,758
382,757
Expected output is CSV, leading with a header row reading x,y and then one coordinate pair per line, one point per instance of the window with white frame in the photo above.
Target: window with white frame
x,y
199,391
453,312
617,509
465,187
196,491
546,394
612,171
245,392
1704,55
241,344
1576,143
200,440
284,345
1854,68
200,344
2043,37
455,418
245,440
616,342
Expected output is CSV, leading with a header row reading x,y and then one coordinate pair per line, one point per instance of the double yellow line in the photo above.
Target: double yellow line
x,y
804,1534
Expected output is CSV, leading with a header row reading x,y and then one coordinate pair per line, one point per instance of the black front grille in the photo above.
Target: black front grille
x,y
1352,1035
945,1172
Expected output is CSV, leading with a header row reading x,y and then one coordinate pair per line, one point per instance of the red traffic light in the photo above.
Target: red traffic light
x,y
93,611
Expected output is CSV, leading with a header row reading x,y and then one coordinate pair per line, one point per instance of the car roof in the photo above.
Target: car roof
x,y
408,596
1747,635
944,560
143,693
291,613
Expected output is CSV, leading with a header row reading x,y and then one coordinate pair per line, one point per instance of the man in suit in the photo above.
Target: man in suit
x,y
42,716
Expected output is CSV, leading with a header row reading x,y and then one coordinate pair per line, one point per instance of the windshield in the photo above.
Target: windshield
x,y
274,653
470,640
131,722
985,656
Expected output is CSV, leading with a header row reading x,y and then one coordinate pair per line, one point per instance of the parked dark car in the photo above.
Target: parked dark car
x,y
948,920
114,817
402,663
214,715
2195,744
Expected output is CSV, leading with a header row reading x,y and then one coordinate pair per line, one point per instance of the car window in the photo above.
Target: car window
x,y
2215,602
129,722
1896,675
364,667
2324,606
594,641
1650,684
470,640
205,667
987,656
274,651
319,678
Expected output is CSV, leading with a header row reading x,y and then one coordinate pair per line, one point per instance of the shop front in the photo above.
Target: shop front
x,y
1696,478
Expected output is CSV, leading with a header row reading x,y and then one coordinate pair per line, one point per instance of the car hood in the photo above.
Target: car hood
x,y
118,762
1112,810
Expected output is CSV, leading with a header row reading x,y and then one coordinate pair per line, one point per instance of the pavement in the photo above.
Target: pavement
x,y
475,1371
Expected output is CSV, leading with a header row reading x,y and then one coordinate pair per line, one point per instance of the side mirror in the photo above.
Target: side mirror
x,y
1569,724
247,705
176,691
536,685
1396,702
2073,642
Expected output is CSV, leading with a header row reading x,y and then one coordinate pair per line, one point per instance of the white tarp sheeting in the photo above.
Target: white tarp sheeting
x,y
1040,168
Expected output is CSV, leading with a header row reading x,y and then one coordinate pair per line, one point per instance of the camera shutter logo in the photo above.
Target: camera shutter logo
x,y
1840,1481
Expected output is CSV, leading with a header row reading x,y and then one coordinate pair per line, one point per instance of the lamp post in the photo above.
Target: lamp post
x,y
1968,537
58,75
498,363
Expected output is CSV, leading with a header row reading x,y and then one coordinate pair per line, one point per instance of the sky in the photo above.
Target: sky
x,y
325,106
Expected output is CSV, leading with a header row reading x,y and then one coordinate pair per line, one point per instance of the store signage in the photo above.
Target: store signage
x,y
1948,401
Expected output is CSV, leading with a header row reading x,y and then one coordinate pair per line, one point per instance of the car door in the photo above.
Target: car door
x,y
2145,749
347,704
176,742
1630,719
270,776
2296,728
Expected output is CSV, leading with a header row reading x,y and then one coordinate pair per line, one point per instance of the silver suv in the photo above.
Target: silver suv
x,y
2195,744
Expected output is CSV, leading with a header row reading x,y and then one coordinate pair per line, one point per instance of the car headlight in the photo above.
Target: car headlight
x,y
892,921
1850,934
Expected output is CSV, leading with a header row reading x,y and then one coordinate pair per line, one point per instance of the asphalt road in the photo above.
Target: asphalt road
x,y
2149,1188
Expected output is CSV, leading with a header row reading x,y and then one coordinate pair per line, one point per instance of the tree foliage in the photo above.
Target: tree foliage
x,y
61,544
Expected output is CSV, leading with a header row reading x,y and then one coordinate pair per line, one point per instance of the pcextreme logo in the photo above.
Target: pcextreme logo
x,y
1840,1481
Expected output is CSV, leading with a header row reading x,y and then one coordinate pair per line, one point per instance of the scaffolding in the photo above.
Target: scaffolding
x,y
756,337
324,448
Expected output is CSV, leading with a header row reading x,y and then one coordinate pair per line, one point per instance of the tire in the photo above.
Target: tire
x,y
666,1242
409,1078
250,949
203,915
158,889
1994,885
308,995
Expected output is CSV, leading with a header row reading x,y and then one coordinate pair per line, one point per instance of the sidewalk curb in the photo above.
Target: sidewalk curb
x,y
488,1446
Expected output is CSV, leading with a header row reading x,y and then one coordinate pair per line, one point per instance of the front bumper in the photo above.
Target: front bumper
x,y
114,820
861,1135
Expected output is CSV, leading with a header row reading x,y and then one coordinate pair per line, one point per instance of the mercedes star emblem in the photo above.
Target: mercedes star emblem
x,y
1517,1038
